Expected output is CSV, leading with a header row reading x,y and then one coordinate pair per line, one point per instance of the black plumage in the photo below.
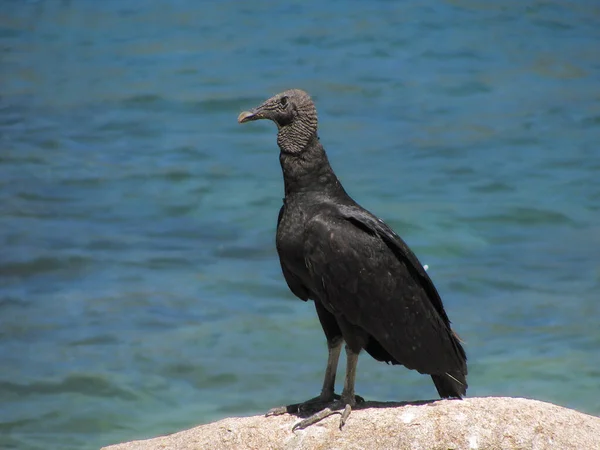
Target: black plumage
x,y
369,289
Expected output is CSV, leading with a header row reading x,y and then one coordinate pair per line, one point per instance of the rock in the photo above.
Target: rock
x,y
473,423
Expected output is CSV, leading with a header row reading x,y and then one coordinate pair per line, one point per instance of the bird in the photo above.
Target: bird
x,y
369,289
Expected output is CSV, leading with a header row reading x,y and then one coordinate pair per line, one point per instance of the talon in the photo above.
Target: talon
x,y
276,411
320,408
314,419
345,414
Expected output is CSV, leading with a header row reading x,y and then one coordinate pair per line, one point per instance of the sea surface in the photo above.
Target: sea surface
x,y
140,290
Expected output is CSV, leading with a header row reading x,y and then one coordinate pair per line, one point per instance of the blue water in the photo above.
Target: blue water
x,y
140,292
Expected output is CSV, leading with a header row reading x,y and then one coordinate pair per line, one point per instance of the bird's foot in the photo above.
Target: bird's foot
x,y
309,406
317,409
334,407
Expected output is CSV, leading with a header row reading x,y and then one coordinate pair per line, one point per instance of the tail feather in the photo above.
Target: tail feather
x,y
450,385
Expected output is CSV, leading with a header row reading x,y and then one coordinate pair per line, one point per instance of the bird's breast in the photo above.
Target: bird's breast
x,y
290,232
290,239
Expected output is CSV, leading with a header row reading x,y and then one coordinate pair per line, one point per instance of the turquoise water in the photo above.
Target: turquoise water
x,y
140,292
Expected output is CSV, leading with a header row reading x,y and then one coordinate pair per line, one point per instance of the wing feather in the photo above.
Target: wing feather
x,y
361,269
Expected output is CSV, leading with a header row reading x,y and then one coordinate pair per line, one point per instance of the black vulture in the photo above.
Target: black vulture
x,y
369,289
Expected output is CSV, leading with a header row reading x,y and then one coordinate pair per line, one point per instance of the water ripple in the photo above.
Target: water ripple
x,y
140,291
85,384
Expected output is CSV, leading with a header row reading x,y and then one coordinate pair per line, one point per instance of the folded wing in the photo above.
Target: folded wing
x,y
362,270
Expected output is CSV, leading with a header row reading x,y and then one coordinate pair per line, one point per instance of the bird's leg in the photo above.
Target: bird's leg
x,y
346,401
327,392
348,397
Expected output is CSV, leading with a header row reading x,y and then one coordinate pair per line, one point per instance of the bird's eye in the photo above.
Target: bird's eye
x,y
283,101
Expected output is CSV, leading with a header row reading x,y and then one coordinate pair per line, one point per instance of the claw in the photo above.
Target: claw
x,y
323,408
345,414
276,411
314,419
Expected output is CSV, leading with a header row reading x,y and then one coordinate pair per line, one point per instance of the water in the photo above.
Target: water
x,y
140,291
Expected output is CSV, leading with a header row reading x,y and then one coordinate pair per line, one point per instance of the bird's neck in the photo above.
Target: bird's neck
x,y
309,170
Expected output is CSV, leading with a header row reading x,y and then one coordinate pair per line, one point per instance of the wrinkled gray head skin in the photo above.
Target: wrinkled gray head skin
x,y
295,115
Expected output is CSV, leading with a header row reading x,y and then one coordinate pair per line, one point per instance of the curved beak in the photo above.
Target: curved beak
x,y
247,116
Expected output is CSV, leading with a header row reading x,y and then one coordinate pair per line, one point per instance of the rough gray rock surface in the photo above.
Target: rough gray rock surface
x,y
473,423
